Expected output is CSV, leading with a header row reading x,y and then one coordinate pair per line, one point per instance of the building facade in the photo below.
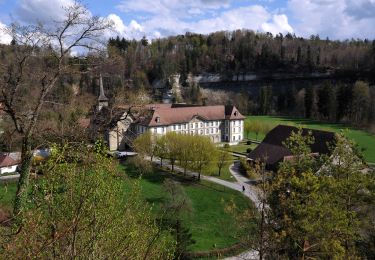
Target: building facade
x,y
122,125
219,123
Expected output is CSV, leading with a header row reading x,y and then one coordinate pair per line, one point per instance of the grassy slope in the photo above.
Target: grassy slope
x,y
7,193
362,138
209,224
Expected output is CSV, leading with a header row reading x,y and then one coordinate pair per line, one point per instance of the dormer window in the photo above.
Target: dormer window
x,y
235,113
157,119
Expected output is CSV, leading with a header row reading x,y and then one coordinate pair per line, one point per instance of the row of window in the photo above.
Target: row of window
x,y
195,125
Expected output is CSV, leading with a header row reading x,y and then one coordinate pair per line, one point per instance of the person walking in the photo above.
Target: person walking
x,y
243,188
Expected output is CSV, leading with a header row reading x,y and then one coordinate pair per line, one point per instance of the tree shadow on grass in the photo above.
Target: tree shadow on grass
x,y
157,176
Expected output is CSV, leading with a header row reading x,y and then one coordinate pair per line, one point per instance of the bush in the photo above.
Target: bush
x,y
226,146
248,150
247,169
248,142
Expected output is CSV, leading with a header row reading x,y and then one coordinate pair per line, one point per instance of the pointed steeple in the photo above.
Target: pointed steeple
x,y
102,96
102,100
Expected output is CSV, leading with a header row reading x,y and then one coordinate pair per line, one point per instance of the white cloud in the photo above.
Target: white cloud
x,y
133,30
31,11
338,19
279,24
253,17
4,37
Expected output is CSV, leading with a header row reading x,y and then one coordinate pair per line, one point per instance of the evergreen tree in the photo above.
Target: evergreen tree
x,y
309,101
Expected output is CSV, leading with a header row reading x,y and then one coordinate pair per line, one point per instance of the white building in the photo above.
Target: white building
x,y
7,164
122,124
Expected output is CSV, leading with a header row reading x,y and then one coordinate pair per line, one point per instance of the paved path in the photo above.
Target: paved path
x,y
232,185
250,191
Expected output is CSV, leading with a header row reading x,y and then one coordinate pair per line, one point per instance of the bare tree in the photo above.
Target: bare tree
x,y
34,66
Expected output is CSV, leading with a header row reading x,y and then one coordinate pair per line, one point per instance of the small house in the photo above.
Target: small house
x,y
7,164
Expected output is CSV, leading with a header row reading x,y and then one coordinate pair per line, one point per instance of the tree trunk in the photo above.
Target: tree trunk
x,y
23,182
219,171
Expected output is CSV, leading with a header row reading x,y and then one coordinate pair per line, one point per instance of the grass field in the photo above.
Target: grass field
x,y
210,225
365,140
7,193
241,147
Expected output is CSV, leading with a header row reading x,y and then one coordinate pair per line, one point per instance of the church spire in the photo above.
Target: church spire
x,y
102,100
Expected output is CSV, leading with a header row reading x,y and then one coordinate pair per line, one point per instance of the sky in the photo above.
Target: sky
x,y
336,19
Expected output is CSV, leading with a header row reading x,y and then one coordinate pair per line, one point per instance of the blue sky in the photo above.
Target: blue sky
x,y
336,19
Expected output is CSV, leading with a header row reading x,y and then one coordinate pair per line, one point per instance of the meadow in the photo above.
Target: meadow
x,y
210,225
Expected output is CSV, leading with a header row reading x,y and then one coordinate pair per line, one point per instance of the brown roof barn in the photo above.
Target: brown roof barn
x,y
272,151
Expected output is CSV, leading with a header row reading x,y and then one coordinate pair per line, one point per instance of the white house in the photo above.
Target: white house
x,y
7,164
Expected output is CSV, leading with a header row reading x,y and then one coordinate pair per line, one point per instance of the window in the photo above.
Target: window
x,y
191,125
178,127
212,130
211,123
201,132
196,125
207,131
174,127
201,124
157,119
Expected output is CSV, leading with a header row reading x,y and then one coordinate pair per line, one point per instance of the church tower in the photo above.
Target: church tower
x,y
102,100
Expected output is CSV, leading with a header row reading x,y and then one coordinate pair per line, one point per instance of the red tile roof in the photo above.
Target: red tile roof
x,y
6,161
161,115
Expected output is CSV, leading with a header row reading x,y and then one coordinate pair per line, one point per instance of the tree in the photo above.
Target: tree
x,y
178,207
247,128
173,148
314,201
326,101
256,127
360,102
161,149
79,209
203,151
223,159
309,102
145,145
28,79
265,100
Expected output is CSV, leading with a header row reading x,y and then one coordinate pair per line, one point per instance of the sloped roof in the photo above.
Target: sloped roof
x,y
6,161
176,114
272,150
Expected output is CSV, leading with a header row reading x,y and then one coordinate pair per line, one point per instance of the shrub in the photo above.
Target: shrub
x,y
248,150
248,142
226,146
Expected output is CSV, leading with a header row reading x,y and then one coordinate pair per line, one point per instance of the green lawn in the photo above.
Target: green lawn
x,y
241,147
210,225
365,140
7,193
225,173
